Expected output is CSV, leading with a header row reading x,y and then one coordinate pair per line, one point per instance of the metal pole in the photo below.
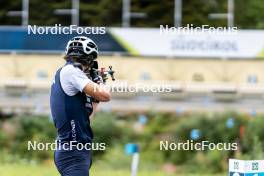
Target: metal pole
x,y
126,13
134,165
230,18
178,13
75,12
23,13
25,10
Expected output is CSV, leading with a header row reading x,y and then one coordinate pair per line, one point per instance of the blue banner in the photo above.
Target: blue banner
x,y
17,39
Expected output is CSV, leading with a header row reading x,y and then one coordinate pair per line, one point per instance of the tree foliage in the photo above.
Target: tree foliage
x,y
248,14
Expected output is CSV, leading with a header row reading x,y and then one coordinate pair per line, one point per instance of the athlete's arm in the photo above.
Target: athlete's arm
x,y
81,82
98,91
94,109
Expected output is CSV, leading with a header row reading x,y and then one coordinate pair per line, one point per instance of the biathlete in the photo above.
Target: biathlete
x,y
75,92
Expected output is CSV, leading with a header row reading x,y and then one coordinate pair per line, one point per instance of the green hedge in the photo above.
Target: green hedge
x,y
116,130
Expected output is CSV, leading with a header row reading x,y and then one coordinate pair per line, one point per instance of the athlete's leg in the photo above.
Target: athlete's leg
x,y
76,170
73,163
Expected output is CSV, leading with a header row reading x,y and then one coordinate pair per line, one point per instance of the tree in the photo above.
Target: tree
x,y
248,14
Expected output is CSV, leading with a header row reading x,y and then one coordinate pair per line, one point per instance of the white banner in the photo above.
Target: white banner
x,y
154,42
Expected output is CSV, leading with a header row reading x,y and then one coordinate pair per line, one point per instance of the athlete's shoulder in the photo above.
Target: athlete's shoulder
x,y
69,70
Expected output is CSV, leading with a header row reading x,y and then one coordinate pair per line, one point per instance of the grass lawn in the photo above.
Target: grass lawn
x,y
50,170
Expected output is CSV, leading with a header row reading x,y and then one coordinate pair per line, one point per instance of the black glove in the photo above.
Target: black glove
x,y
97,79
94,70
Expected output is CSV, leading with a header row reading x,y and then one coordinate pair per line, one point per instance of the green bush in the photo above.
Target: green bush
x,y
253,139
116,130
212,127
14,139
105,130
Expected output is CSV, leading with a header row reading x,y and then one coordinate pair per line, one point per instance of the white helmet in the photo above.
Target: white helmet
x,y
81,46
